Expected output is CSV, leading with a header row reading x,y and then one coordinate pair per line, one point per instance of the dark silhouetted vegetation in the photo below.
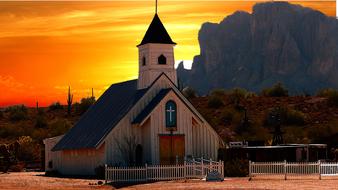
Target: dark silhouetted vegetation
x,y
55,106
84,105
331,95
189,93
69,101
17,113
277,90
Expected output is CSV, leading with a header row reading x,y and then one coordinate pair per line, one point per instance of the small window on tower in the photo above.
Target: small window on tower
x,y
144,61
162,60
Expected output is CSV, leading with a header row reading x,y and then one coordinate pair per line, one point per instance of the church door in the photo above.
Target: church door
x,y
172,149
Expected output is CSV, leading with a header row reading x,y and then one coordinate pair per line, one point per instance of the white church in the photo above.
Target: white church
x,y
137,122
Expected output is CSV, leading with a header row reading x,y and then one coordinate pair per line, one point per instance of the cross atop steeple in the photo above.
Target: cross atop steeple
x,y
156,7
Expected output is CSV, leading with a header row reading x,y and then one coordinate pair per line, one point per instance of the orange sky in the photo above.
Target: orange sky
x,y
46,46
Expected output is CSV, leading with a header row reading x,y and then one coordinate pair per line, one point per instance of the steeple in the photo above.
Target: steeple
x,y
156,33
156,54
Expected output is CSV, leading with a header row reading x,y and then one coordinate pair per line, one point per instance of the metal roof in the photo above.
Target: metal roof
x,y
101,117
153,103
156,33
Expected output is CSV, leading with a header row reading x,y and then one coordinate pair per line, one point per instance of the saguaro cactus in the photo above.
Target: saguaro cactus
x,y
69,101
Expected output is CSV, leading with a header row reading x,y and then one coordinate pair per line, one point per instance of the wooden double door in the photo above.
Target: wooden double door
x,y
172,149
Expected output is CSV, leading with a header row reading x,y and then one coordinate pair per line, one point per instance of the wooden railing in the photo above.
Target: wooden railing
x,y
193,169
286,169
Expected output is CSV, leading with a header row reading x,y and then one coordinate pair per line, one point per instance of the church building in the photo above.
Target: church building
x,y
137,122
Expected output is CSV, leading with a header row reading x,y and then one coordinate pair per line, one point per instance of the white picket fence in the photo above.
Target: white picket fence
x,y
193,169
286,169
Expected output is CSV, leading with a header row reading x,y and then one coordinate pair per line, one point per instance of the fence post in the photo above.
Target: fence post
x,y
249,170
185,169
285,170
146,168
105,173
320,175
202,167
193,167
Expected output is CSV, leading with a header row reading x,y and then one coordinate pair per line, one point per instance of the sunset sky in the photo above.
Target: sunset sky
x,y
46,46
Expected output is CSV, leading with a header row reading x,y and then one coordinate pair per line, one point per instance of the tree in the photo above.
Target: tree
x,y
126,146
277,90
189,93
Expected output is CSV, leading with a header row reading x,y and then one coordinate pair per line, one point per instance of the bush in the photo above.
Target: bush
x,y
41,121
278,90
230,115
1,114
326,92
55,106
215,102
17,113
236,168
286,115
331,95
236,95
28,150
218,92
100,171
59,127
189,93
84,105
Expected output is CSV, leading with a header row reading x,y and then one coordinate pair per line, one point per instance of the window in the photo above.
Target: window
x,y
170,114
162,60
144,61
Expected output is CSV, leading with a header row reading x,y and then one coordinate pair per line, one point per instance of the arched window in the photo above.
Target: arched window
x,y
170,114
144,61
162,60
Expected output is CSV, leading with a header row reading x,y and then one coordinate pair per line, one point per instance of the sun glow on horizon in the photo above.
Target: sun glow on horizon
x,y
47,46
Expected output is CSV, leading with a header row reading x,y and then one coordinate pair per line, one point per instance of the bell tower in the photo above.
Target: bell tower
x,y
156,54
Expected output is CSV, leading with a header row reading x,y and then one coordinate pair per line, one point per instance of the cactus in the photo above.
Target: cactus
x,y
37,106
69,101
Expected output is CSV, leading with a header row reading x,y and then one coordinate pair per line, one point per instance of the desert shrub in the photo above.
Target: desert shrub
x,y
215,102
41,121
59,127
189,93
218,92
100,171
326,92
230,115
286,115
17,113
55,106
28,150
236,94
84,105
1,114
277,90
331,95
236,168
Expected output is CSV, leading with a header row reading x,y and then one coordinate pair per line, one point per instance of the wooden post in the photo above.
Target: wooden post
x,y
320,175
193,167
250,170
185,169
146,168
105,173
285,170
202,167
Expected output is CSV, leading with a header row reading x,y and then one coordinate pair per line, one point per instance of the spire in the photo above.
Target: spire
x,y
156,7
156,33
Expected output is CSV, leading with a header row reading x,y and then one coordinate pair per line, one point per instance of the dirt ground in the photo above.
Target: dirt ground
x,y
36,181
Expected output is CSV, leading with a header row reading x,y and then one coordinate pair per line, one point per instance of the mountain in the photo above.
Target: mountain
x,y
278,42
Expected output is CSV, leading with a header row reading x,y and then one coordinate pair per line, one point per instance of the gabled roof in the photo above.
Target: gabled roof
x,y
156,33
152,104
101,117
